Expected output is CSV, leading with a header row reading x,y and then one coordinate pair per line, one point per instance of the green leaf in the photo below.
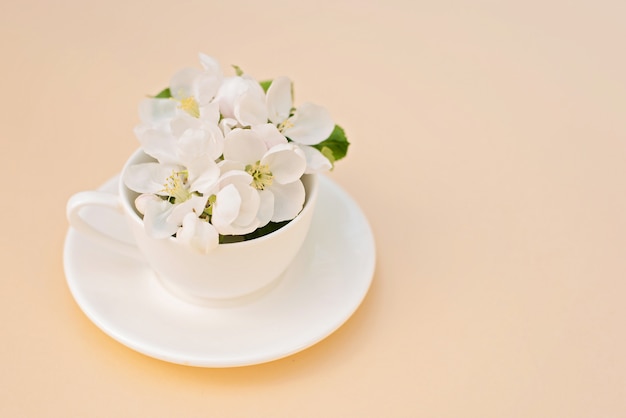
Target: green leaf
x,y
335,146
267,229
164,94
230,239
265,84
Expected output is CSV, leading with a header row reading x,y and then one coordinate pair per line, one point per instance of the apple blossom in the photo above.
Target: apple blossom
x,y
229,156
275,170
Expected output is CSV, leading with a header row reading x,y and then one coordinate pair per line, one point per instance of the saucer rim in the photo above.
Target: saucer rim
x,y
211,361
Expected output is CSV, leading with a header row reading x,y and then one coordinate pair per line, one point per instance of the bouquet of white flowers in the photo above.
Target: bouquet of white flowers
x,y
229,154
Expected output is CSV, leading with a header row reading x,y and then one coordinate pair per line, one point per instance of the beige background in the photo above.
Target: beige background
x,y
489,142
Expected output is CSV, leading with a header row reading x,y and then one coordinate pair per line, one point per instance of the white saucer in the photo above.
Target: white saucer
x,y
319,292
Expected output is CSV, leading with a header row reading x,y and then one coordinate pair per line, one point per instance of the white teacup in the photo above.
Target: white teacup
x,y
231,273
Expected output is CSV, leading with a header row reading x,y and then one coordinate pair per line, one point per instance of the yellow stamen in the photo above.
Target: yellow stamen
x,y
262,177
175,186
190,105
286,124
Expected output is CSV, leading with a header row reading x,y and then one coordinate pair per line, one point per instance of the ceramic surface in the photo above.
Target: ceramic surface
x,y
320,290
229,274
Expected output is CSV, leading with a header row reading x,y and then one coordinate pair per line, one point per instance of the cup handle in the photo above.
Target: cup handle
x,y
102,199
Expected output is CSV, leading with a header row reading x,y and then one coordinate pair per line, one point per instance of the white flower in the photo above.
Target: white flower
x,y
185,126
229,156
198,234
242,99
182,138
162,218
309,124
236,206
275,167
169,193
316,162
192,91
193,88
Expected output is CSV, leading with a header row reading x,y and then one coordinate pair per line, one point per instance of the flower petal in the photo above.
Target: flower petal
x,y
242,219
227,125
226,206
315,160
203,174
232,88
279,100
148,177
266,207
210,64
205,87
210,113
142,200
234,176
250,109
207,84
155,111
195,204
269,134
288,200
155,219
250,203
191,144
182,122
196,143
229,165
311,125
244,145
286,162
182,83
198,234
158,143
